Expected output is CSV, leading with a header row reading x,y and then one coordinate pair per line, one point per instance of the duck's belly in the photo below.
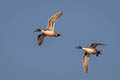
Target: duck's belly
x,y
49,33
89,50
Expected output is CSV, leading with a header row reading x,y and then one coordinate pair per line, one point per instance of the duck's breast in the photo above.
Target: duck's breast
x,y
49,33
89,50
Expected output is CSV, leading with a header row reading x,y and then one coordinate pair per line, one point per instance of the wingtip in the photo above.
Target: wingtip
x,y
39,44
86,72
61,12
105,44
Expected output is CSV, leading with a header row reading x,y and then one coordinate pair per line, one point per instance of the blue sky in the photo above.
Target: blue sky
x,y
83,22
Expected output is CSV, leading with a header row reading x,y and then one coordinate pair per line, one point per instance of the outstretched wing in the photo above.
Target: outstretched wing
x,y
94,45
85,59
52,20
40,39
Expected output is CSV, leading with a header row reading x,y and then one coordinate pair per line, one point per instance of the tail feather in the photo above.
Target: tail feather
x,y
98,53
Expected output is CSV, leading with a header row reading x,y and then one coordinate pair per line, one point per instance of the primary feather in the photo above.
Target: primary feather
x,y
52,20
40,38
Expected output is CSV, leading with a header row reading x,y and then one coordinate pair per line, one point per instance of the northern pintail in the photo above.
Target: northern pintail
x,y
88,51
50,31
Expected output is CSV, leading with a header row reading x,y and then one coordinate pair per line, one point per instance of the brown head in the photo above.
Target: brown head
x,y
78,47
37,30
57,35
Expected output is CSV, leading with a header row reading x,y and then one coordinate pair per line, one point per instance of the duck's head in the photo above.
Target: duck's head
x,y
57,35
37,30
78,47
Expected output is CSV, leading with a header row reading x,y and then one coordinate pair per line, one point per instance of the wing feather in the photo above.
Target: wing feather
x,y
52,20
85,59
40,39
94,45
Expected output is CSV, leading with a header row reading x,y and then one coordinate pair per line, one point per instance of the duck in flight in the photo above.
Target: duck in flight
x,y
88,51
50,31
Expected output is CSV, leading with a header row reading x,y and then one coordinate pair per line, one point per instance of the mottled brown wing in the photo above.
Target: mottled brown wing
x,y
94,45
52,20
40,39
85,59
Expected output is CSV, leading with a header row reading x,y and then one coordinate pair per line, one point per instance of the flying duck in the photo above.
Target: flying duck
x,y
88,51
50,31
